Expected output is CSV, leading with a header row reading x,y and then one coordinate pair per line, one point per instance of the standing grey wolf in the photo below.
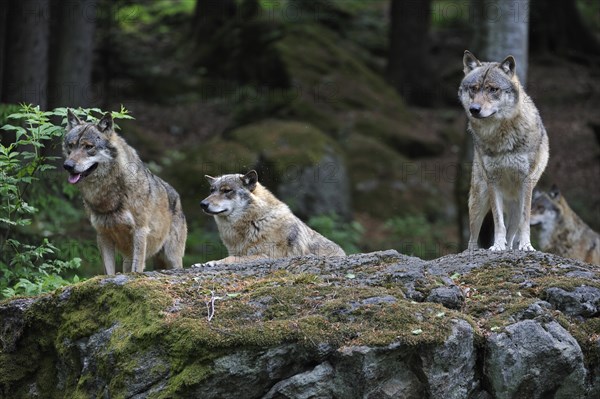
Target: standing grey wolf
x,y
132,210
254,224
562,232
511,150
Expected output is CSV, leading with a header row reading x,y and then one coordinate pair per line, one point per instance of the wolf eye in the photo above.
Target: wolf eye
x,y
226,190
88,146
493,89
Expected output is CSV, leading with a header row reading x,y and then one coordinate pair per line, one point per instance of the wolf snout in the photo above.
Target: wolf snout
x,y
69,165
204,205
475,109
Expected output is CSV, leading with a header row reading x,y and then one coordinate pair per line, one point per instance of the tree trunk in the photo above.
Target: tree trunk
x,y
4,5
72,49
502,29
408,58
25,77
557,28
209,17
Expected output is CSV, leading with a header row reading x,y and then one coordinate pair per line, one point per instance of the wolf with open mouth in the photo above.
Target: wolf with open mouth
x,y
133,211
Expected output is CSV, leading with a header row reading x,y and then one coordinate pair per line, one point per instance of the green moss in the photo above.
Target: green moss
x,y
169,315
331,74
401,135
284,143
378,172
191,375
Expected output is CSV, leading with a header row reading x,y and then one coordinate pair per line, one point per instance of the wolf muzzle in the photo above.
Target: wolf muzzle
x,y
475,110
204,205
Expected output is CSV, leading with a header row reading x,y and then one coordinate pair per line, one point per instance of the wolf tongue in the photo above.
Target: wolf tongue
x,y
74,178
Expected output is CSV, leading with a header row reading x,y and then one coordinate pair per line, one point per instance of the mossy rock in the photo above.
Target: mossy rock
x,y
287,144
386,184
241,330
331,74
300,164
399,135
333,85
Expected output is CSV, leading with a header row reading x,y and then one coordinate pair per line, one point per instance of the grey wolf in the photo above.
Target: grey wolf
x,y
510,150
253,223
132,210
562,232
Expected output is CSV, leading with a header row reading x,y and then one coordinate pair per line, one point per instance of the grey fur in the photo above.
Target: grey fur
x,y
133,211
253,223
511,150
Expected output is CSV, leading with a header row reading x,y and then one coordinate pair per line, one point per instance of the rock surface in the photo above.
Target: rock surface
x,y
474,325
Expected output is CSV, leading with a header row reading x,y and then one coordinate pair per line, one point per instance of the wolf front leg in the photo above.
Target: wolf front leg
x,y
479,204
497,205
107,251
525,216
138,260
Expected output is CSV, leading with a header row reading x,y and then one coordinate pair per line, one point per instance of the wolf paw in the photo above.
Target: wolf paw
x,y
206,264
526,247
498,247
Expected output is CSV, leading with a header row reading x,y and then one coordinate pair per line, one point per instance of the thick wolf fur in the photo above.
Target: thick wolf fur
x,y
562,232
253,223
132,210
511,150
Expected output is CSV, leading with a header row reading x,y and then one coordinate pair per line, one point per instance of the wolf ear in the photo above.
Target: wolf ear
x,y
470,62
509,65
554,192
106,123
250,179
72,120
210,179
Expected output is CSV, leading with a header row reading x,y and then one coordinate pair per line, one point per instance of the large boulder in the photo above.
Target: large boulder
x,y
533,359
362,326
300,164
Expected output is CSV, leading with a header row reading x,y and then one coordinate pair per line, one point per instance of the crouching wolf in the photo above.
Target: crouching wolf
x,y
511,150
132,210
562,232
254,224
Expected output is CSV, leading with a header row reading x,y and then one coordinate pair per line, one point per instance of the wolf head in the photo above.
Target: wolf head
x,y
489,89
87,148
229,194
546,208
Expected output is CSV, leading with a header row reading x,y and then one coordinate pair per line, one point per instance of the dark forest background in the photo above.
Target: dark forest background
x,y
347,108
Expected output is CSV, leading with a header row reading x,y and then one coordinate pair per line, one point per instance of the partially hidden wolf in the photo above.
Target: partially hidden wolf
x,y
254,224
132,210
562,232
510,150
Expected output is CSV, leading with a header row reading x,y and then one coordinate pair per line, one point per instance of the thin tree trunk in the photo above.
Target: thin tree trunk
x,y
408,58
27,41
70,81
502,29
557,28
4,5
